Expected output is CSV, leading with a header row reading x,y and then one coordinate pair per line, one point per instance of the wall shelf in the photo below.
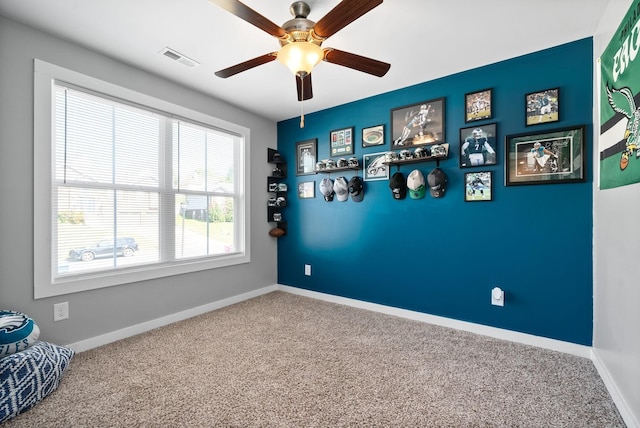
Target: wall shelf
x,y
280,164
332,170
436,159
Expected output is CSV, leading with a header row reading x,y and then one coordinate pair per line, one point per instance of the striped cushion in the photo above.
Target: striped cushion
x,y
28,376
17,332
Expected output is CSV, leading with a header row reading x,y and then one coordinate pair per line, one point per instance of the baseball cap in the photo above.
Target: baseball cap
x,y
340,186
415,184
437,182
356,189
398,186
326,188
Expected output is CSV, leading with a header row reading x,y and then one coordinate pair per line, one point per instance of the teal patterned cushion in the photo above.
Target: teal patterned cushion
x,y
17,332
28,376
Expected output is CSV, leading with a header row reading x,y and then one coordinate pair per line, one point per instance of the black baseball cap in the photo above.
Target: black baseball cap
x,y
398,186
356,189
437,180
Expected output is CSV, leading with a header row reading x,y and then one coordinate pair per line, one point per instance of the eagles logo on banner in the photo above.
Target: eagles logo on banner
x,y
620,104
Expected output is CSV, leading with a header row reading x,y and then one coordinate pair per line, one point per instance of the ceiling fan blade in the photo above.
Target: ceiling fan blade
x,y
357,62
342,15
305,90
244,66
244,12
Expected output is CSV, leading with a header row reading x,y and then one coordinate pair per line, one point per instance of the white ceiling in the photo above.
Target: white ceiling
x,y
421,39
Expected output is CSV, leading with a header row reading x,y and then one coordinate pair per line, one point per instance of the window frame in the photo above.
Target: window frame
x,y
45,75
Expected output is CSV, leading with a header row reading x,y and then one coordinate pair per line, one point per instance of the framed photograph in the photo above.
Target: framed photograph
x,y
373,136
478,105
478,186
542,107
549,157
307,189
478,145
374,167
341,142
306,155
418,124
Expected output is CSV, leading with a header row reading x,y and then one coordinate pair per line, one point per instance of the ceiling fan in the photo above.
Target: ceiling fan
x,y
301,39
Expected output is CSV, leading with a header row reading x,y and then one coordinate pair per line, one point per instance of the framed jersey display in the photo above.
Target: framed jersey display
x,y
306,156
478,145
543,106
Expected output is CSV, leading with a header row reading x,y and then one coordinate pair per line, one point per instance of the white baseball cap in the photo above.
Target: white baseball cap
x,y
341,187
416,185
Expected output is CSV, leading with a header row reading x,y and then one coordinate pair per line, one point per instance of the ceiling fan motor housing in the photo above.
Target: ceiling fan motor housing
x,y
299,28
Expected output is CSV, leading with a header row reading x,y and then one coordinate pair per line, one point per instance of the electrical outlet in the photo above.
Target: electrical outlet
x,y
497,296
307,270
61,311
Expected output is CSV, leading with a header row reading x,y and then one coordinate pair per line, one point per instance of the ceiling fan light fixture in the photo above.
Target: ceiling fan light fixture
x,y
300,57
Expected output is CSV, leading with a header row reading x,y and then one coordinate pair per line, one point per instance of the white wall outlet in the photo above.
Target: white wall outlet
x,y
497,296
307,270
61,311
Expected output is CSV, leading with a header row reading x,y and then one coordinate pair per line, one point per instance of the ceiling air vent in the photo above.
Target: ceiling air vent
x,y
177,56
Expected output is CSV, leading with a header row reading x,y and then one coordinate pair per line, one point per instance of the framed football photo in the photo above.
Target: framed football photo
x,y
543,106
548,157
478,186
478,105
478,145
418,124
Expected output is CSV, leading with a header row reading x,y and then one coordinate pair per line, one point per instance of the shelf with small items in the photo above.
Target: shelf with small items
x,y
399,158
329,166
276,186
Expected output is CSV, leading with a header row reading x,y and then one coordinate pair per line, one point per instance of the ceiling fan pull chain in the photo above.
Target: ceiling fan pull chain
x,y
301,101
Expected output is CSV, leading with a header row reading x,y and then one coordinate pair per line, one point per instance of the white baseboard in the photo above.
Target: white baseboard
x,y
623,407
133,330
498,333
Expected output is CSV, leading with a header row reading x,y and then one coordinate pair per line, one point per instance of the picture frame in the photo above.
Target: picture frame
x,y
306,156
341,142
478,186
478,145
549,157
418,124
542,107
374,167
373,136
307,190
478,105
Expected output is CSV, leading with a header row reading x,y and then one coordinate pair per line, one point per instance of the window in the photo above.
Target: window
x,y
128,187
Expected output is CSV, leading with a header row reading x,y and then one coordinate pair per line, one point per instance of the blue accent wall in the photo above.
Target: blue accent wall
x,y
443,256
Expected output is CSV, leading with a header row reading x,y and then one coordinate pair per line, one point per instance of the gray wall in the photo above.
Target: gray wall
x,y
616,336
105,310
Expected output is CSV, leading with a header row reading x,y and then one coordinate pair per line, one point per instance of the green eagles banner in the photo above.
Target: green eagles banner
x,y
620,104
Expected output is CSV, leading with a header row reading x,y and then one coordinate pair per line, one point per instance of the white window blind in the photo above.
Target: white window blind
x,y
136,189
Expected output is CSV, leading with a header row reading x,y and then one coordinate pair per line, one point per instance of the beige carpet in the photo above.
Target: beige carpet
x,y
282,360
